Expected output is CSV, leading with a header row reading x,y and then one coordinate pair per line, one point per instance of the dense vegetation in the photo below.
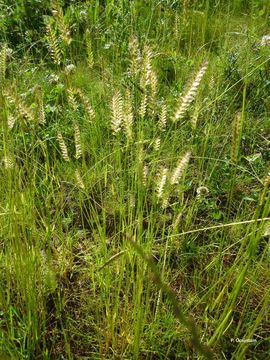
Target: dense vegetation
x,y
135,205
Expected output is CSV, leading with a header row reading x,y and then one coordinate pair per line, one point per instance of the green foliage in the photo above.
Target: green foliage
x,y
22,21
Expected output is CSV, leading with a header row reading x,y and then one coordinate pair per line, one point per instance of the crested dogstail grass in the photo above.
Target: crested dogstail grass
x,y
53,43
117,112
88,107
128,115
176,25
11,121
19,105
8,162
59,16
146,67
72,99
3,64
79,179
153,92
165,201
135,57
41,110
90,56
180,168
190,94
145,174
78,147
163,118
161,182
143,105
25,111
236,134
157,144
63,147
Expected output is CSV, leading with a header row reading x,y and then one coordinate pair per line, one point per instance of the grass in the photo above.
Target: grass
x,y
134,202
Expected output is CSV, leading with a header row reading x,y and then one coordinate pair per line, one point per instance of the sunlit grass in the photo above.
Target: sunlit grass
x,y
125,234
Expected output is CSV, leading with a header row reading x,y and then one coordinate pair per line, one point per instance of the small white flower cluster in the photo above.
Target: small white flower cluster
x,y
53,78
83,15
265,40
108,45
69,69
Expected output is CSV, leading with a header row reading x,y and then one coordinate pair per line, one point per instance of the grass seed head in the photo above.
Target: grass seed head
x,y
162,182
157,144
53,44
177,221
25,111
22,108
145,174
41,111
165,201
63,146
89,51
11,121
236,135
163,118
146,68
72,99
143,105
79,179
117,112
180,168
153,92
8,162
135,57
128,115
3,64
57,12
86,103
191,93
77,137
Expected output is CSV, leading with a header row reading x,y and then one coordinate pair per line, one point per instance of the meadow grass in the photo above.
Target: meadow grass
x,y
134,202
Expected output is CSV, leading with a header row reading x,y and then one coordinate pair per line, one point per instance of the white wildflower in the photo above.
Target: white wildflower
x,y
265,40
69,69
53,78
